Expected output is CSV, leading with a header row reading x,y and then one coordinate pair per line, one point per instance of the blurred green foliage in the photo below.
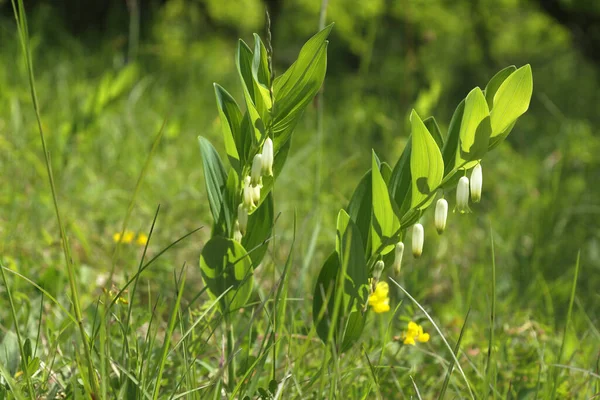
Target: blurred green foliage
x,y
102,108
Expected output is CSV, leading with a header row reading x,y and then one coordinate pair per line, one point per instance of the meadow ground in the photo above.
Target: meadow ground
x,y
508,293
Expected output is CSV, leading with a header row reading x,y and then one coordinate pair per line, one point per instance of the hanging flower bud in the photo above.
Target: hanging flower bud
x,y
476,183
242,218
398,257
248,194
441,213
377,270
256,170
267,157
237,234
255,193
418,237
462,195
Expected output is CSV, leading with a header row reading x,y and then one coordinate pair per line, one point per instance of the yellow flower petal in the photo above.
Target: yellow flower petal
x,y
142,239
128,237
382,306
409,340
423,337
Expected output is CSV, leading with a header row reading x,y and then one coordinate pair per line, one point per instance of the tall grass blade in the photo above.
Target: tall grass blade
x,y
169,333
565,331
19,12
441,335
24,360
456,350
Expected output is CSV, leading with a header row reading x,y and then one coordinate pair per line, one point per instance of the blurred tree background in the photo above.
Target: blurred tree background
x,y
110,71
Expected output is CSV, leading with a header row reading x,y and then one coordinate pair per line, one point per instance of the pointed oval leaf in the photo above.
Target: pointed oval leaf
x,y
476,110
426,164
231,124
324,296
215,178
451,144
511,100
434,129
295,89
360,208
260,227
225,265
494,84
384,222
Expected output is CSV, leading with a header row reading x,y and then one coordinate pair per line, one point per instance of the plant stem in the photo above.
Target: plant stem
x,y
19,12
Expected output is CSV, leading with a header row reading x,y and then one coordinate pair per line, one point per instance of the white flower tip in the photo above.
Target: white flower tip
x,y
242,218
418,237
441,214
398,257
462,195
267,157
256,172
476,183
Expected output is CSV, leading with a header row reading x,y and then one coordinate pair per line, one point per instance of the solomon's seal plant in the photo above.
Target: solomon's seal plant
x,y
389,201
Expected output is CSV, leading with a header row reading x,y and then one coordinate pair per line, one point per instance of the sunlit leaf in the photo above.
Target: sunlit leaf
x,y
476,110
426,164
511,100
384,222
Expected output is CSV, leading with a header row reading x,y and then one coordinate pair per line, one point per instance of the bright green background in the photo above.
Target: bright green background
x,y
103,99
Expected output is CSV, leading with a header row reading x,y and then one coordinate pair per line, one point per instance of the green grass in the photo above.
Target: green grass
x,y
84,154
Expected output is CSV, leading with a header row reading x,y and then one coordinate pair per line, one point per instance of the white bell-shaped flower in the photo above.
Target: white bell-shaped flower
x,y
267,157
256,172
476,183
255,193
462,195
441,214
242,218
418,237
248,194
237,234
377,270
399,252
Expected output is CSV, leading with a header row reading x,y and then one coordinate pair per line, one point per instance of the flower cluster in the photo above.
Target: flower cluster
x,y
414,333
464,188
379,299
262,164
129,237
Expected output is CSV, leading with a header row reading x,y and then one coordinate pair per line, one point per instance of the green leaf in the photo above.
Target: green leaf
x,y
384,222
215,178
492,87
262,78
511,100
360,208
355,324
349,246
295,89
386,172
400,180
224,265
426,164
231,197
451,145
434,129
260,227
476,110
244,61
324,296
231,123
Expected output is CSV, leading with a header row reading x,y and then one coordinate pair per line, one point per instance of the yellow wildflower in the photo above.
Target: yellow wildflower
x,y
142,239
414,333
379,299
126,238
